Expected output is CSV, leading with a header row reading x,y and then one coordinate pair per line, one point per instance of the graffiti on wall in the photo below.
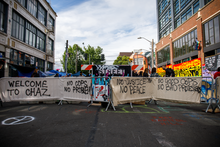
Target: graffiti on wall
x,y
190,68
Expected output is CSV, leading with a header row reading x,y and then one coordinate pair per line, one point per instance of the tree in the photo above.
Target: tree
x,y
122,60
71,62
93,53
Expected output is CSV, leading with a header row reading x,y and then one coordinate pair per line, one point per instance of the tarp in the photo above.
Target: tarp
x,y
42,74
77,74
61,74
20,74
23,71
50,74
133,89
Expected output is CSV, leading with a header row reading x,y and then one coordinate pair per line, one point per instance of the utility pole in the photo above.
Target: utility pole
x,y
66,56
76,58
152,53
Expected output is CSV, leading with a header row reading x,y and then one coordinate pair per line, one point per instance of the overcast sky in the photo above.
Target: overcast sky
x,y
114,25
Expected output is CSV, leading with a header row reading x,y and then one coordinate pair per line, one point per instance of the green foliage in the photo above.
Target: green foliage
x,y
94,54
122,60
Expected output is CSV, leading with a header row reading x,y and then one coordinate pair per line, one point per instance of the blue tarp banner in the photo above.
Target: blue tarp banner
x,y
20,74
77,74
60,73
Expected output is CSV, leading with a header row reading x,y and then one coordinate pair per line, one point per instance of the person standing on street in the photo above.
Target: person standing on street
x,y
217,73
154,73
169,71
145,73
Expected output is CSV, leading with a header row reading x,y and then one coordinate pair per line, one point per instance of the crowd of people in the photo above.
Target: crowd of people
x,y
168,72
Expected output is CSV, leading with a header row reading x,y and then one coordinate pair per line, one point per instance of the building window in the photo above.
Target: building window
x,y
206,1
22,2
186,15
187,59
27,60
40,64
185,44
162,6
211,30
165,19
20,58
17,26
195,7
159,10
50,44
49,66
51,21
33,37
166,31
13,56
177,22
41,39
177,62
216,24
163,55
32,7
31,33
176,7
41,14
51,24
183,3
3,16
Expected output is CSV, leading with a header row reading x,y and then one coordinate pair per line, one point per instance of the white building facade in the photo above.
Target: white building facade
x,y
27,36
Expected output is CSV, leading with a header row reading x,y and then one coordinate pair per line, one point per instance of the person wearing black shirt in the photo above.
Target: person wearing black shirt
x,y
169,71
145,73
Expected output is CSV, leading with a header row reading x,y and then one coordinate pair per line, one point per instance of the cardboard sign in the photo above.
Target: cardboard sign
x,y
101,93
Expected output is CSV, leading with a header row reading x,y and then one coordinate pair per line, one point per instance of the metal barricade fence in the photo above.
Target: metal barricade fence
x,y
206,89
209,93
217,86
217,93
101,91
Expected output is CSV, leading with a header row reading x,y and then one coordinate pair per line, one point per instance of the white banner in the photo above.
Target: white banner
x,y
44,89
132,89
77,88
182,89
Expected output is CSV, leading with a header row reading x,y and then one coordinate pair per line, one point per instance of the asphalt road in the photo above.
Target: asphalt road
x,y
74,125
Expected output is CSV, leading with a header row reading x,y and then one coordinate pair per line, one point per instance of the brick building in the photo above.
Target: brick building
x,y
27,36
180,22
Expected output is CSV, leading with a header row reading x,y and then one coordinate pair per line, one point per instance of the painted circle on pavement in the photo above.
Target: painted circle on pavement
x,y
18,120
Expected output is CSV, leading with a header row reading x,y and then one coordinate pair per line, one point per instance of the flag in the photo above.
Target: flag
x,y
198,45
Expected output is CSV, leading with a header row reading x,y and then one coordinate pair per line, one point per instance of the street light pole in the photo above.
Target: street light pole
x,y
76,59
152,51
66,56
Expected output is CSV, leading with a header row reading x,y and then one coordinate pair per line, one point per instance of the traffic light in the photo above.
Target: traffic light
x,y
85,56
102,57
